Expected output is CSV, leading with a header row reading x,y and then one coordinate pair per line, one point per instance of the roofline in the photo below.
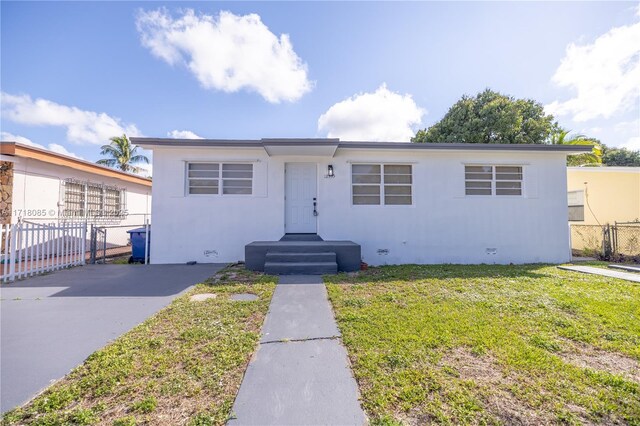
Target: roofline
x,y
604,168
15,149
150,143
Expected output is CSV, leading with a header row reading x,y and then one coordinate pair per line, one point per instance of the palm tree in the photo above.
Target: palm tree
x,y
123,155
593,158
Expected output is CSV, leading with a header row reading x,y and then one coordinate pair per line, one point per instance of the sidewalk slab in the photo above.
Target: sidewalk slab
x,y
626,268
629,276
299,383
299,311
300,374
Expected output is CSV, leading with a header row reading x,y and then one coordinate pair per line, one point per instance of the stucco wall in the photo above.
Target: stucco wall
x,y
37,186
442,226
613,193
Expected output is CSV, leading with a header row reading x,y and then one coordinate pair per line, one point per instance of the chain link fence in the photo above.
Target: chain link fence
x,y
620,241
107,237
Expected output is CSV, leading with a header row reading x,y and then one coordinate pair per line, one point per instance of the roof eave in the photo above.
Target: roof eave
x,y
150,143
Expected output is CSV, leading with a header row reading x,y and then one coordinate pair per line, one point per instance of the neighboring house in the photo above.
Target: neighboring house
x,y
601,195
41,186
399,202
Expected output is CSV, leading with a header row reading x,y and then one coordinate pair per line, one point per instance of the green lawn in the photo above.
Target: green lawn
x,y
491,344
182,366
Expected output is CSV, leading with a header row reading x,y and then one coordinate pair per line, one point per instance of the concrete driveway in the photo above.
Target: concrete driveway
x,y
52,323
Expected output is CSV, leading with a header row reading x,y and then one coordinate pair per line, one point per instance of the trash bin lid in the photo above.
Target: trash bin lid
x,y
139,230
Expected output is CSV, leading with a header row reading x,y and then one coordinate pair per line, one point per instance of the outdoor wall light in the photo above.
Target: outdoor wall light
x,y
330,171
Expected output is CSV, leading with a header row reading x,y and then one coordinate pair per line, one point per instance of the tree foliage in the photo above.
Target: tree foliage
x,y
122,155
620,157
593,158
491,117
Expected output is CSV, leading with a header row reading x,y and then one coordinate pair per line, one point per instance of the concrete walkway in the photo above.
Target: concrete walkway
x,y
300,374
629,276
52,323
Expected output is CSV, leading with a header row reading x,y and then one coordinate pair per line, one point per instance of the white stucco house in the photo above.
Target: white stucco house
x,y
228,200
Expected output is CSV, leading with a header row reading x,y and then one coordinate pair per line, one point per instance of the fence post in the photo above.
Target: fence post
x,y
104,246
5,254
12,252
92,245
146,241
83,243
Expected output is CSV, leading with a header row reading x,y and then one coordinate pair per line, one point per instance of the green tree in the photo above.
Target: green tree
x,y
620,157
491,117
593,158
123,155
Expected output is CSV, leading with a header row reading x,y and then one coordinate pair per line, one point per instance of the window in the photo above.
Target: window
x,y
493,180
374,183
92,199
203,178
74,199
576,206
220,179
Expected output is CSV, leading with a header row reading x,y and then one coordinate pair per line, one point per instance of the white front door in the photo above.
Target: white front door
x,y
300,196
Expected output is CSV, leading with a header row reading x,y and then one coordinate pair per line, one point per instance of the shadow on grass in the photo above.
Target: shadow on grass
x,y
443,271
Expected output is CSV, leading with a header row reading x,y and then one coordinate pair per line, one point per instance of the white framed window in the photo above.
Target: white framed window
x,y
219,178
375,184
493,180
576,205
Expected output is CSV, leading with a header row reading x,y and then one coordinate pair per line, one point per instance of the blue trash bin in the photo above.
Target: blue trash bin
x,y
138,239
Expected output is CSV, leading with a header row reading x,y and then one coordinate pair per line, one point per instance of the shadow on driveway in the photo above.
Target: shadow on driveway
x,y
52,323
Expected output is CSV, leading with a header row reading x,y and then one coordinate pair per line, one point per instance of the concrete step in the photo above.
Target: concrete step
x,y
305,268
277,256
301,237
348,253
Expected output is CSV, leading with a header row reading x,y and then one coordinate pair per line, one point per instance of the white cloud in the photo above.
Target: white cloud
x,y
183,134
54,147
81,126
604,74
61,150
628,132
10,137
227,52
379,116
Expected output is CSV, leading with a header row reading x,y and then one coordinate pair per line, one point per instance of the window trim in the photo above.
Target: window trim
x,y
220,179
381,185
493,180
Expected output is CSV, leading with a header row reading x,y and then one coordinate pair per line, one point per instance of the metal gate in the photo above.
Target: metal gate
x,y
110,241
98,245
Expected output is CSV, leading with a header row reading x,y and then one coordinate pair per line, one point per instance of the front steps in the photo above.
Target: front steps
x,y
302,254
283,263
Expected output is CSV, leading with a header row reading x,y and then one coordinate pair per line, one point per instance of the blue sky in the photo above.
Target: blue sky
x,y
74,72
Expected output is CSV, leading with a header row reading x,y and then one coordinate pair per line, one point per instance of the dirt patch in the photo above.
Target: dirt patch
x,y
587,356
235,274
496,398
480,369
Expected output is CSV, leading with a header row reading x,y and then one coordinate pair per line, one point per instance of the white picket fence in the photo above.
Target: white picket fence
x,y
34,248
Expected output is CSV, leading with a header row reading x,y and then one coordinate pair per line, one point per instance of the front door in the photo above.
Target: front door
x,y
299,198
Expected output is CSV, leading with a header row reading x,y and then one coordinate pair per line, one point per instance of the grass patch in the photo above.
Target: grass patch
x,y
184,365
495,344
